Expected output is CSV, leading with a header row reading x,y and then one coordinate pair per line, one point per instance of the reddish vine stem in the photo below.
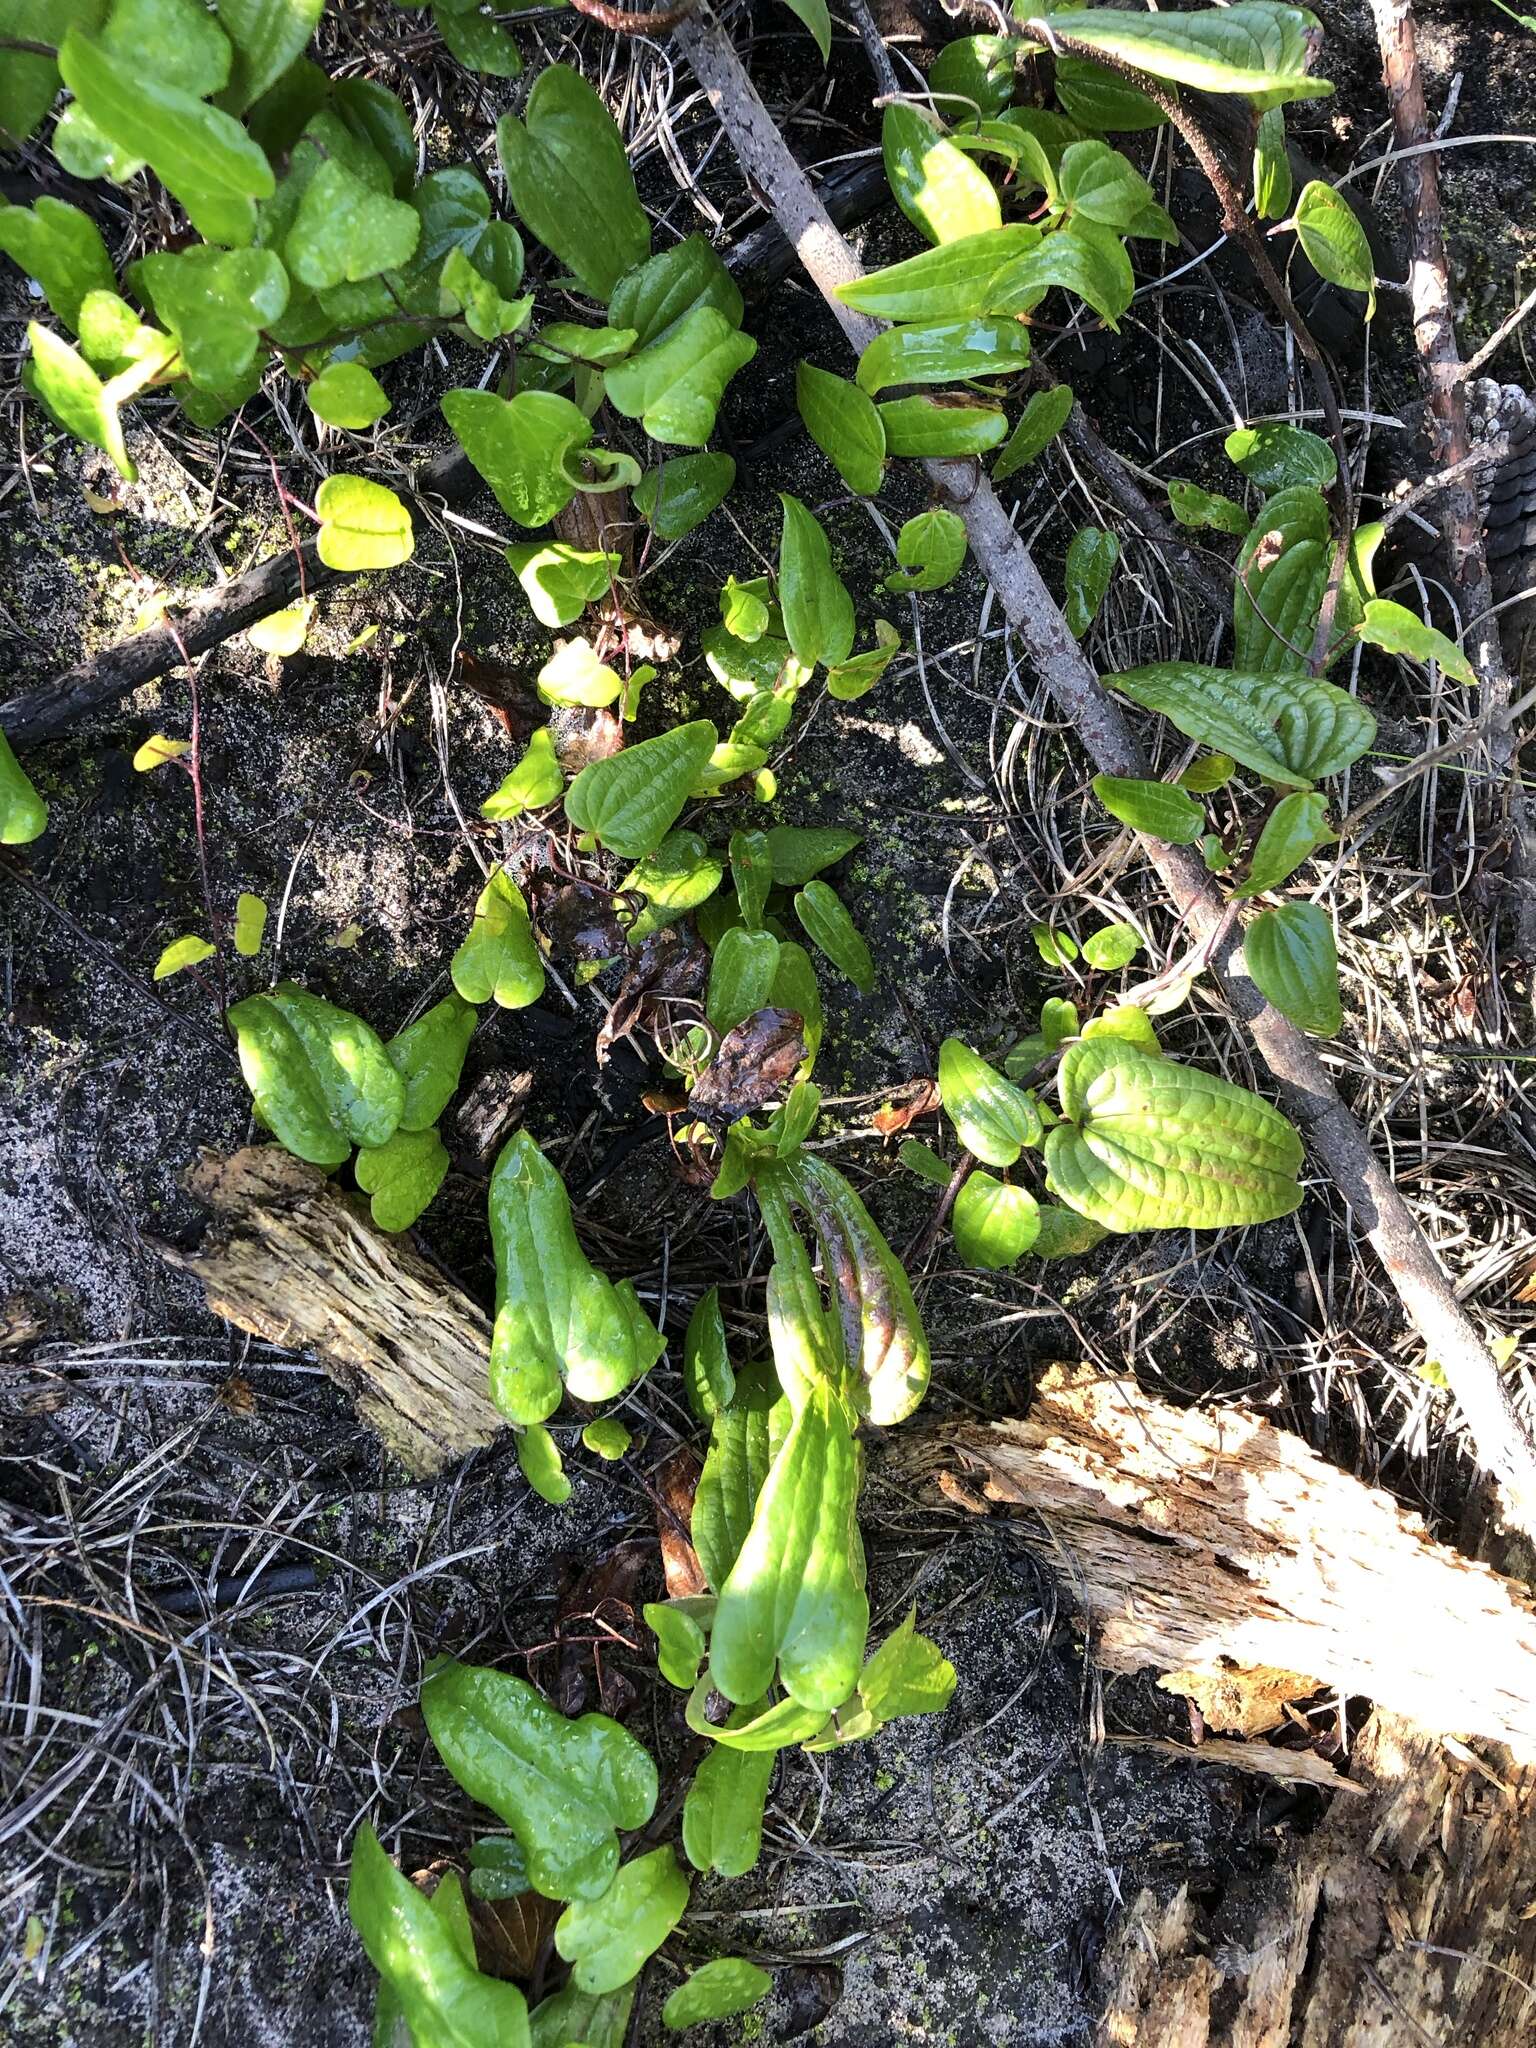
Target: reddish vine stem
x,y
623,23
1498,1433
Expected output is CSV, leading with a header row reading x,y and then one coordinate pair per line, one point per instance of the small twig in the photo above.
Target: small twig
x,y
626,24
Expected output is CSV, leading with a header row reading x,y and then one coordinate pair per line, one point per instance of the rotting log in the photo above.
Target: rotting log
x,y
1500,1436
1208,1544
291,1258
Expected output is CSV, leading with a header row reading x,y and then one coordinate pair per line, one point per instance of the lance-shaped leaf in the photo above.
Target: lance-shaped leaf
x,y
1091,557
1160,809
936,186
818,611
1290,954
941,426
1196,508
558,1320
424,1951
794,1598
540,1462
1291,729
841,419
499,962
800,852
682,493
994,1119
1149,1145
1400,631
948,353
201,155
429,1057
883,1341
994,1224
322,1081
1253,47
952,282
723,1810
1292,833
564,1788
1282,572
267,35
1277,456
633,799
715,1991
741,977
743,1439
570,180
23,813
62,248
402,1176
1334,242
520,445
826,923
674,387
607,1939
757,1728
1272,182
1040,422
77,398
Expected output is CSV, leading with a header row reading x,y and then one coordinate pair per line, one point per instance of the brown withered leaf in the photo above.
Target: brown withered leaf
x,y
583,734
578,921
509,697
671,965
676,1483
756,1062
510,1934
892,1117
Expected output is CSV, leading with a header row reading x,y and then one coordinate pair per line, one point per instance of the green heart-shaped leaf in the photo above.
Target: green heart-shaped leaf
x,y
607,1939
631,800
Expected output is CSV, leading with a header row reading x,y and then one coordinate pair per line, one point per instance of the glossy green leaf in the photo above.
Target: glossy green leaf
x,y
322,1081
752,873
1100,99
631,800
519,446
931,550
200,154
570,181
1112,947
708,1378
363,525
479,278
907,1674
1292,730
858,675
723,1809
1099,184
23,813
558,1320
680,495
826,923
659,293
937,187
1040,422
402,1176
1127,1021
1148,1145
818,611
814,15
1272,182
952,282
741,977
716,1991
1092,554
924,1162
251,926
538,1457
1292,833
499,962
678,876
674,386
1282,572
795,988
497,1869
1291,957
267,36
580,2019
1400,631
1156,808
560,581
941,427
993,1224
680,1642
1208,772
61,247
1058,1021
217,304
1253,47
976,72
1095,269
535,781
842,420
1063,1234
478,42
608,1938
992,1117
793,1597
950,352
1196,508
183,952
799,852
347,395
743,1437
564,1787
29,83
1277,456
1334,242
429,1057
75,395
574,675
424,1951
757,1729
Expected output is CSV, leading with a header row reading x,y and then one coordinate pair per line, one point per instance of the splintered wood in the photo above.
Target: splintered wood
x,y
1209,1544
292,1259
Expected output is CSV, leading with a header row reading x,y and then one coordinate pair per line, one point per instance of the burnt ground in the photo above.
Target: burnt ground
x,y
184,1784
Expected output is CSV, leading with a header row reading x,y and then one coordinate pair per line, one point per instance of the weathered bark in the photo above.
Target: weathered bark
x,y
292,1259
1211,1543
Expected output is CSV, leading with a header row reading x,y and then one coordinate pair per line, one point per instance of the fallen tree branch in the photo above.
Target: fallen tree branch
x,y
1208,1545
1445,388
292,1259
1499,1436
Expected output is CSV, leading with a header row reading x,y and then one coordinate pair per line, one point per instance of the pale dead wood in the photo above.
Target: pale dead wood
x,y
1159,1993
292,1259
1501,1438
1209,1541
1257,1759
